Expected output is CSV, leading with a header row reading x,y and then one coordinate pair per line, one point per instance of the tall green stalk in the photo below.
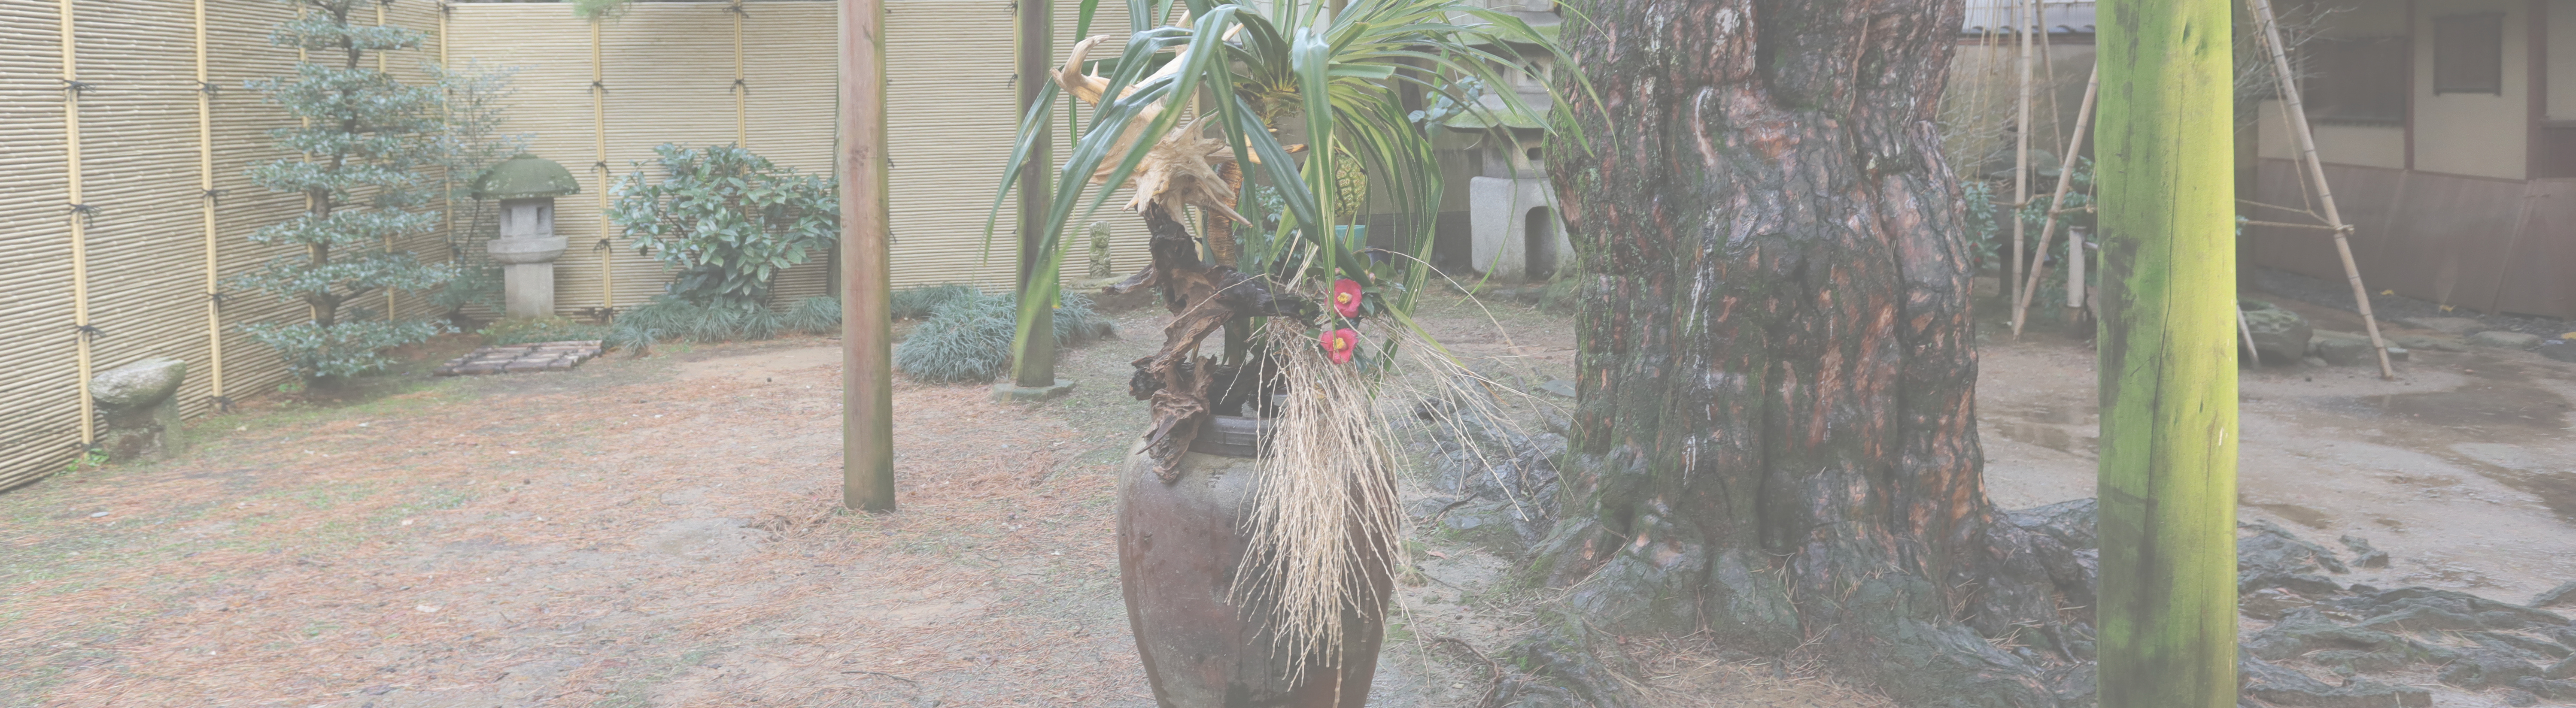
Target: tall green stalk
x,y
2168,357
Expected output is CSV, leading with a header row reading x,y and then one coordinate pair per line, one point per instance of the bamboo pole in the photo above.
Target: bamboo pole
x,y
1033,366
741,90
2021,144
2307,143
867,409
599,146
2056,203
2167,607
206,204
82,332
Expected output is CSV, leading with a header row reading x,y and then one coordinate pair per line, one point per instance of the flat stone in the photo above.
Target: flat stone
x,y
2399,354
1559,387
2562,351
139,384
2342,348
2445,325
2564,593
2443,343
1009,391
2505,340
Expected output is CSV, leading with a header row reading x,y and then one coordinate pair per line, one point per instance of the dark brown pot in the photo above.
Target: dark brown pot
x,y
1178,545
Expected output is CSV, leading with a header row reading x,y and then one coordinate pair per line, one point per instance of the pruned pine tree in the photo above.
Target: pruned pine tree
x,y
367,146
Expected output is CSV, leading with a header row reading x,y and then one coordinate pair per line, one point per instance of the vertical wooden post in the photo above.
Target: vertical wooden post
x,y
2306,140
867,359
79,211
1033,366
2167,608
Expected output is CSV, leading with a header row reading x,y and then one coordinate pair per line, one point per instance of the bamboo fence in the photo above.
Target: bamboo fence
x,y
125,132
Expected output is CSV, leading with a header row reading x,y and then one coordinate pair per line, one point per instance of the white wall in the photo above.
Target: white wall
x,y
2481,135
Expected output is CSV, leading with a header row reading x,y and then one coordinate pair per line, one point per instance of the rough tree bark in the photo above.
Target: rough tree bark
x,y
1775,441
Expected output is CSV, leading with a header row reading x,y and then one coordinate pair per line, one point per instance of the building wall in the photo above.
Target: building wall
x,y
2476,135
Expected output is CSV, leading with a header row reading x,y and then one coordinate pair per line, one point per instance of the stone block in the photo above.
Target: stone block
x,y
139,406
2280,336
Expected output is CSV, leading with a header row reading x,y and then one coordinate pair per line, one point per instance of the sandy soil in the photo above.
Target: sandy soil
x,y
662,531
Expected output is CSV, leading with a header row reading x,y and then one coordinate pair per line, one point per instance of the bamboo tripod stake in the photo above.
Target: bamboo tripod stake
x,y
2047,226
206,200
2307,142
2021,146
81,330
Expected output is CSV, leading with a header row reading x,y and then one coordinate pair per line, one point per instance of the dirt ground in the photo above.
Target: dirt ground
x,y
663,531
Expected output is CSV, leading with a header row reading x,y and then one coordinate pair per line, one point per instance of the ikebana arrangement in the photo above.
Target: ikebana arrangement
x,y
1264,474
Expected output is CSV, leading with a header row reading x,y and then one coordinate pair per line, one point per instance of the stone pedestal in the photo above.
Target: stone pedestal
x,y
139,405
1500,214
527,250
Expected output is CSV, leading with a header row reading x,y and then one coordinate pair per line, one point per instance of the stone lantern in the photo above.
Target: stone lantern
x,y
1515,232
527,246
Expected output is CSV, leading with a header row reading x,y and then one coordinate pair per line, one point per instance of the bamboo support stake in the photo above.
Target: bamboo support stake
x,y
2307,143
81,330
867,409
2168,365
206,201
389,239
2056,204
2021,146
741,113
2247,332
447,197
599,145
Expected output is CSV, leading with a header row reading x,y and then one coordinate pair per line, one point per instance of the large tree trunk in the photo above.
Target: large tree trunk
x,y
1776,439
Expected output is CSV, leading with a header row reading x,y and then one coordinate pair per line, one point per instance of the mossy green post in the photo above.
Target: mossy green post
x,y
1033,363
2168,356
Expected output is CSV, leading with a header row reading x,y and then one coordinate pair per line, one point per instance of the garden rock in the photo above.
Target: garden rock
x,y
2341,348
2282,686
140,405
2446,325
2439,344
2363,554
2564,593
2505,340
2561,351
2279,335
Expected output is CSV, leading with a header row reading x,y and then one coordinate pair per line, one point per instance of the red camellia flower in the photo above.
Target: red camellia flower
x,y
1341,343
1346,298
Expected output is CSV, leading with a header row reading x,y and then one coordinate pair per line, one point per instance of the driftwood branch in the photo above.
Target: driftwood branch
x,y
1205,296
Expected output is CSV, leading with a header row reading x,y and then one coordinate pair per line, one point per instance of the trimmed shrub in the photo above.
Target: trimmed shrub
x,y
916,302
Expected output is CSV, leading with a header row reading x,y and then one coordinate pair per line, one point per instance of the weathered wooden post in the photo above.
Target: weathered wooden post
x,y
2168,356
1033,358
867,358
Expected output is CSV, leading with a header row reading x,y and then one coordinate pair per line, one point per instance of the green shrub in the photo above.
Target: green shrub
x,y
815,315
726,219
541,329
916,302
968,338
